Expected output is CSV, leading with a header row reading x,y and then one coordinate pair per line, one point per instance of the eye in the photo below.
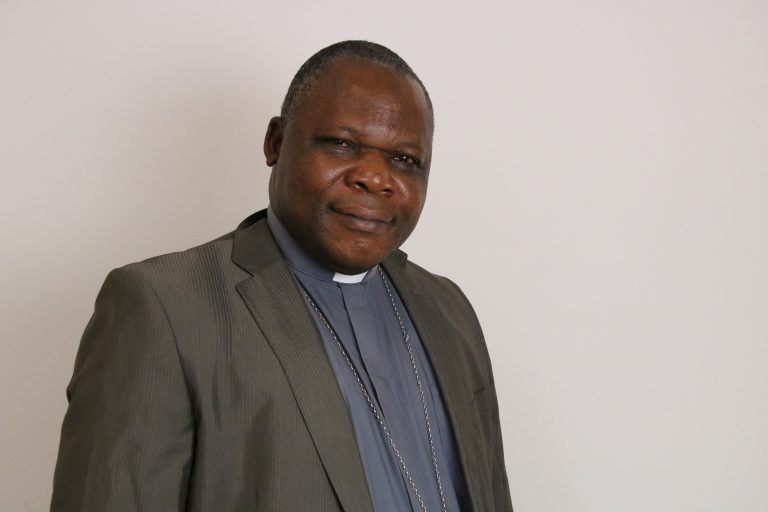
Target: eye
x,y
404,160
339,146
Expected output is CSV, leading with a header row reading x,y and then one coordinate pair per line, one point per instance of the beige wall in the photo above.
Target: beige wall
x,y
599,189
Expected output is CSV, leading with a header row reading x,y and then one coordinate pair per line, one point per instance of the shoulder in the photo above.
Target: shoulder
x,y
444,298
436,281
152,287
219,261
442,289
181,265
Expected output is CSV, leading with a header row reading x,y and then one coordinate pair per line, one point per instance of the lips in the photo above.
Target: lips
x,y
362,218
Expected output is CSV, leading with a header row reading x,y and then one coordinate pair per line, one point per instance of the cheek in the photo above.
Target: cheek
x,y
319,175
413,193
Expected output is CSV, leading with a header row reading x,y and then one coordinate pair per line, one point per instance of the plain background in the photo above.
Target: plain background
x,y
598,189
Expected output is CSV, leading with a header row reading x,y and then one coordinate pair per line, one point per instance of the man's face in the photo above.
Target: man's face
x,y
351,166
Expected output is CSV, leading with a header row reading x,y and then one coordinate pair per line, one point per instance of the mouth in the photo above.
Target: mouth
x,y
360,218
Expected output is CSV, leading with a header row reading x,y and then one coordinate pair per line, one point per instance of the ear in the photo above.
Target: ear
x,y
273,140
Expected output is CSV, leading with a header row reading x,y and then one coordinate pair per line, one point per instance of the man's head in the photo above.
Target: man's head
x,y
305,78
350,155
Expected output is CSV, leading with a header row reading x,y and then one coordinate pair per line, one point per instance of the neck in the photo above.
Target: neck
x,y
299,259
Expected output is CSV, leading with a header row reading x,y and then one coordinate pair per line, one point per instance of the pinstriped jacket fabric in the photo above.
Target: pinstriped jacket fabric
x,y
201,384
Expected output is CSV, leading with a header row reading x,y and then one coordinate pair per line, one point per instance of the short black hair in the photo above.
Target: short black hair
x,y
304,80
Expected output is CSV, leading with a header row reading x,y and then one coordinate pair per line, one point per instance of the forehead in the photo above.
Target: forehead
x,y
352,89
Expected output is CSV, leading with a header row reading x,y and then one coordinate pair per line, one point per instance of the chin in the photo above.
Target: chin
x,y
355,267
355,263
356,254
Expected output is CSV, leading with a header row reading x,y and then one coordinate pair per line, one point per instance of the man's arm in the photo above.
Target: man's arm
x,y
500,485
127,437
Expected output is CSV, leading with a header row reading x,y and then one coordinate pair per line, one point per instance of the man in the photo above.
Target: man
x,y
300,363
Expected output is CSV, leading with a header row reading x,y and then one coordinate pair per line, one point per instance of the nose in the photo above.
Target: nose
x,y
371,173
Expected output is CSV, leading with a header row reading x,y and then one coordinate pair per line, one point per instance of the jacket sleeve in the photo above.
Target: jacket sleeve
x,y
500,485
127,437
502,501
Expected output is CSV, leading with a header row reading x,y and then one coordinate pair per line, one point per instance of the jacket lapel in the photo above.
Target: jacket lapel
x,y
273,299
441,346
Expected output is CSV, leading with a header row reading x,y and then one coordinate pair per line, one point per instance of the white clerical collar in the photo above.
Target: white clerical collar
x,y
347,279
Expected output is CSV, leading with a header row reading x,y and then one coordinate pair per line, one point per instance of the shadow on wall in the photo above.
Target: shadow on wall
x,y
191,157
143,165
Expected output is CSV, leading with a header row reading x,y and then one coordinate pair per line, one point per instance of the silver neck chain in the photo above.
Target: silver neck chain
x,y
372,405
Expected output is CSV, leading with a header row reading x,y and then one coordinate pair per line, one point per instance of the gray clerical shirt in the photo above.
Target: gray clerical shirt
x,y
362,317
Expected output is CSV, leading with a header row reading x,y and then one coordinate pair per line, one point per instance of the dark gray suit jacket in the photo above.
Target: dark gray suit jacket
x,y
201,384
